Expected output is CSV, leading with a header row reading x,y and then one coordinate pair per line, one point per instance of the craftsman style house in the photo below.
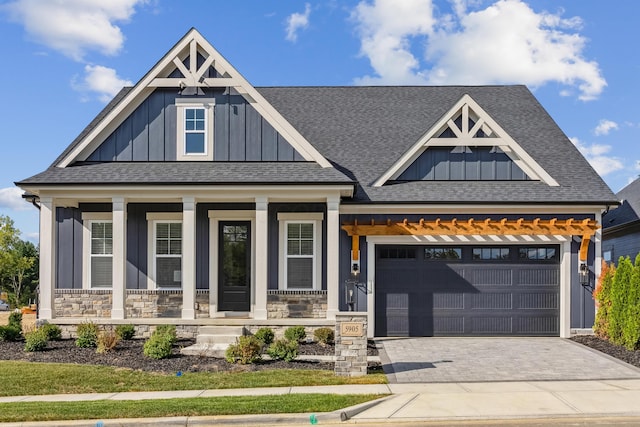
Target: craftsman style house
x,y
195,198
621,226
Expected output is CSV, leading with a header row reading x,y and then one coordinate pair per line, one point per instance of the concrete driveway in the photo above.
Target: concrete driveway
x,y
427,360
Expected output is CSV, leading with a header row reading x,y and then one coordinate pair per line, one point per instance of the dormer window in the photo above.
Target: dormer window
x,y
194,129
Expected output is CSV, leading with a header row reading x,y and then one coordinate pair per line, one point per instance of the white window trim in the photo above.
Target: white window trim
x,y
214,238
314,218
152,219
87,219
181,105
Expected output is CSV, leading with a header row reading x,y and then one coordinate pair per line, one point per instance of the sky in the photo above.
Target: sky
x,y
65,59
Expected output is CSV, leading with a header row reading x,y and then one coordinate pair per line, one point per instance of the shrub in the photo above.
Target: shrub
x,y
35,340
246,350
167,330
53,332
324,335
87,335
107,341
602,296
158,346
15,320
631,327
10,333
265,335
619,298
283,349
295,333
125,332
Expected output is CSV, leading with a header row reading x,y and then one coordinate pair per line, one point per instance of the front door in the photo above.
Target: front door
x,y
234,261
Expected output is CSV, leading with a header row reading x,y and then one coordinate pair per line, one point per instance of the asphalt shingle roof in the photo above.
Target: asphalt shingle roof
x,y
363,131
629,210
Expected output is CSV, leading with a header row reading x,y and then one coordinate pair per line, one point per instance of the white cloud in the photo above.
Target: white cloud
x,y
507,42
605,126
596,156
11,198
74,27
102,80
296,22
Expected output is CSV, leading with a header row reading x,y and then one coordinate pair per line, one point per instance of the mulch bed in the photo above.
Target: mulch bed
x,y
129,354
619,352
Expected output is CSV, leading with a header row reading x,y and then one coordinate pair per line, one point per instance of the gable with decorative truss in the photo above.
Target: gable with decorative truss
x,y
466,129
197,77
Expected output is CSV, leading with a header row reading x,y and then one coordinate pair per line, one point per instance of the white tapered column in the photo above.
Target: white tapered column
x,y
262,247
47,257
188,258
119,257
333,256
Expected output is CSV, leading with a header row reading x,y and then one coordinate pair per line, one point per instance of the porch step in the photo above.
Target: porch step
x,y
213,341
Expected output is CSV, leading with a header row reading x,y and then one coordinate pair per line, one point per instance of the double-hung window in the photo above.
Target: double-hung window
x,y
98,250
194,129
301,247
165,250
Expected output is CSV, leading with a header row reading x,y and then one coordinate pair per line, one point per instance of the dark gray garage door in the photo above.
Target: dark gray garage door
x,y
467,290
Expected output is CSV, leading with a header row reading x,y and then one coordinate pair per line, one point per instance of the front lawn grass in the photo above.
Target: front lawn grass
x,y
28,378
237,405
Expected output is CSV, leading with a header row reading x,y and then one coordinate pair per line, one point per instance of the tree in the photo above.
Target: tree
x,y
619,300
631,330
602,295
18,263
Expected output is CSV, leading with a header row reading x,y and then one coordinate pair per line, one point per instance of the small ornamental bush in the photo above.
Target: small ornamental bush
x,y
167,330
87,335
295,333
283,349
53,332
324,336
247,349
107,341
158,346
619,300
35,340
125,332
602,295
15,320
265,335
631,327
10,333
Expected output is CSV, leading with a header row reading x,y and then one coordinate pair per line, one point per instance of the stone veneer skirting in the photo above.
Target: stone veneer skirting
x,y
139,304
296,304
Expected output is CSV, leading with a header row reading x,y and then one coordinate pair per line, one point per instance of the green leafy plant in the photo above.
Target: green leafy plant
x,y
265,335
107,341
602,296
53,332
324,336
247,349
168,330
295,333
158,346
126,332
619,299
283,349
10,333
35,340
631,327
87,335
15,320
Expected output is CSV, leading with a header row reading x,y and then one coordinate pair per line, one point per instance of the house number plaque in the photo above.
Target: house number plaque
x,y
351,329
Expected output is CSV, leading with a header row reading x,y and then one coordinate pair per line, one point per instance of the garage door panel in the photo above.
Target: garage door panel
x,y
467,296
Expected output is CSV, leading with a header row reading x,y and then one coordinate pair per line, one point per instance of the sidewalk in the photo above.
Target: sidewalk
x,y
408,403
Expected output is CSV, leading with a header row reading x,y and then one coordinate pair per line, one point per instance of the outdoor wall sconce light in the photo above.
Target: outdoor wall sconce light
x,y
583,275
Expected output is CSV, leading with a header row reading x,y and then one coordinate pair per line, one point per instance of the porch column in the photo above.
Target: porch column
x,y
261,257
188,258
333,256
119,219
47,257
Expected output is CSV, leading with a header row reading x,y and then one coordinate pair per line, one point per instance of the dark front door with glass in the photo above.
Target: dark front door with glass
x,y
234,266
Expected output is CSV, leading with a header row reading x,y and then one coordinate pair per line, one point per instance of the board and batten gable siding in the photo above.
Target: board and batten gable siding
x,y
149,133
447,163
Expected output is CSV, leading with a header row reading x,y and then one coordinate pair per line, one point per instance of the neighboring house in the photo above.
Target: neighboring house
x,y
196,199
621,226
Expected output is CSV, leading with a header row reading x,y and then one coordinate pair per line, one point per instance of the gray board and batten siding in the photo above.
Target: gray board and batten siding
x,y
69,230
149,133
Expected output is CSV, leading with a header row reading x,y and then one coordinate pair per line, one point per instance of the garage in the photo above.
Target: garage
x,y
467,290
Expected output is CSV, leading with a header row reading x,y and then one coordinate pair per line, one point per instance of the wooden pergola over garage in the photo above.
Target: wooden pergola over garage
x,y
470,227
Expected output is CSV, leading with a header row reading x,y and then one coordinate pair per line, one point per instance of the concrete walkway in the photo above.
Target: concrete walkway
x,y
428,360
